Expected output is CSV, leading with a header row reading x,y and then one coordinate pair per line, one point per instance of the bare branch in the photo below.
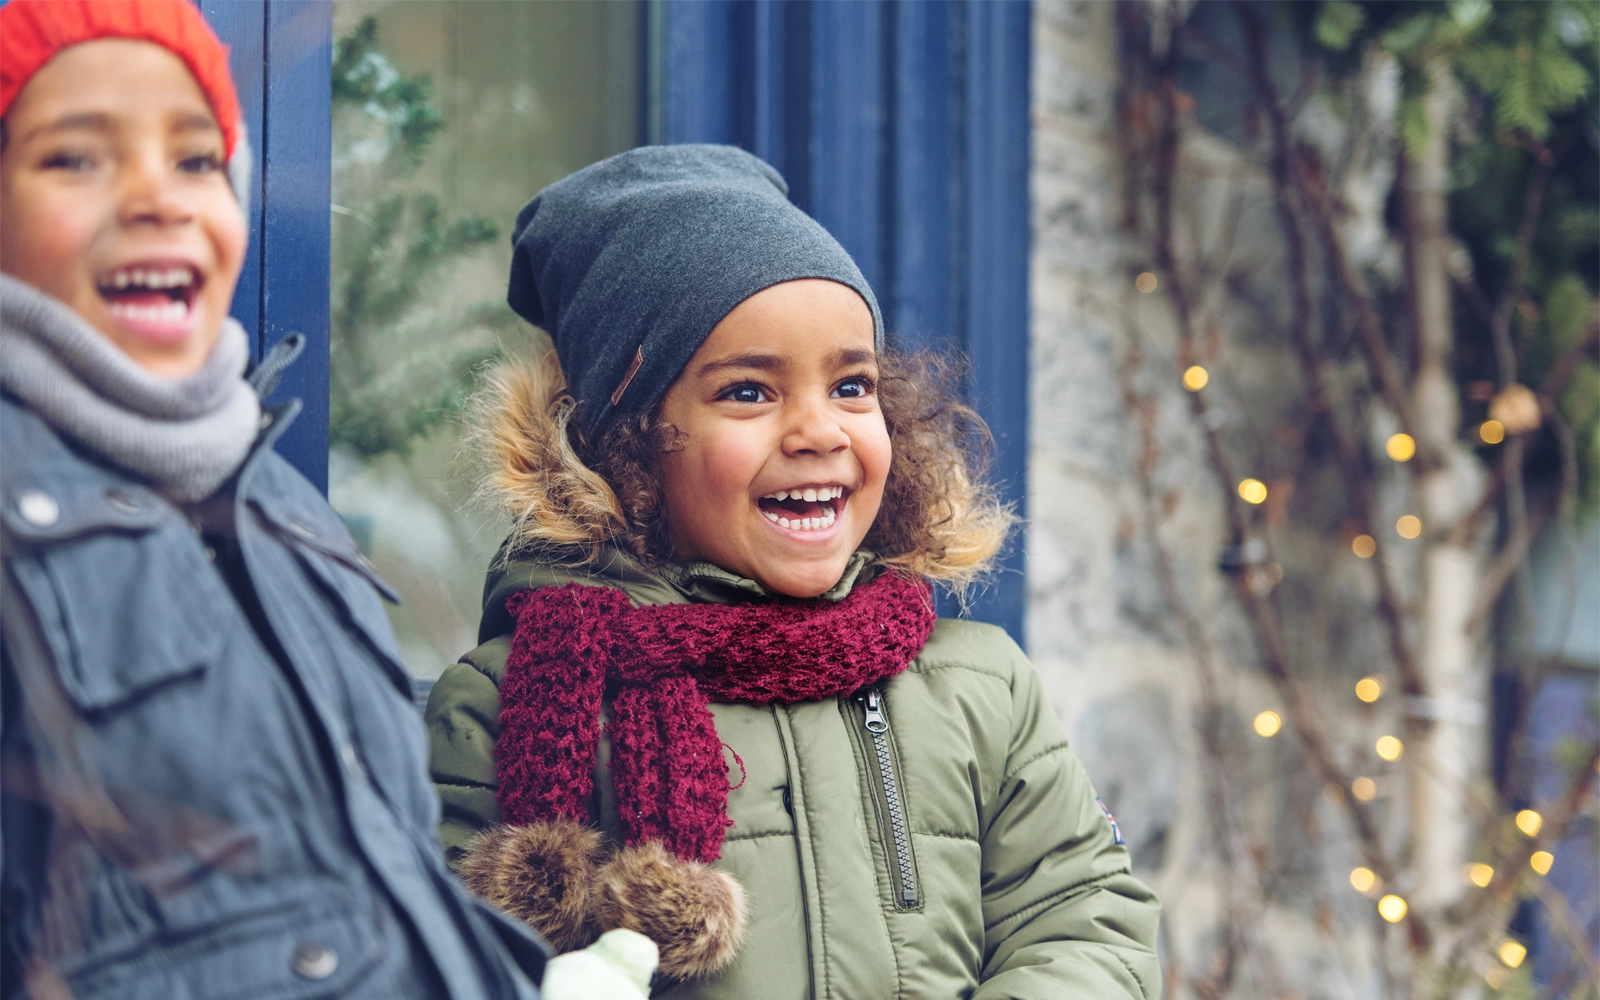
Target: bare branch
x,y
1489,912
1505,565
1305,719
1350,460
1500,322
1549,393
1353,286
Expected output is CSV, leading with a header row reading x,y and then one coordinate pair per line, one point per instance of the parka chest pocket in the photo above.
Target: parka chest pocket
x,y
124,606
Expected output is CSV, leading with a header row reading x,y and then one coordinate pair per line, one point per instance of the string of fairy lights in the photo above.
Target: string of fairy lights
x,y
1512,410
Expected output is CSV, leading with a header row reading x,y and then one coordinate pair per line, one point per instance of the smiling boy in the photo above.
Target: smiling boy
x,y
213,782
117,203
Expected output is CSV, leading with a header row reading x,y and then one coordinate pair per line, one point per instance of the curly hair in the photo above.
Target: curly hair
x,y
940,518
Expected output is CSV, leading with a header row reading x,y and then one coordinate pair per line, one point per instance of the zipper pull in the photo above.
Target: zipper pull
x,y
874,722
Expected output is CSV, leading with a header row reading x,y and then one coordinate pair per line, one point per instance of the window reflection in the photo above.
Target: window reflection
x,y
447,118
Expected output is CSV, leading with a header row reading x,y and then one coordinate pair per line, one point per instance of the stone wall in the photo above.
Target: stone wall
x,y
1114,656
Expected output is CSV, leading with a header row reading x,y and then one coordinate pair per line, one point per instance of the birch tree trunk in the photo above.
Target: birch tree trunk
x,y
1446,725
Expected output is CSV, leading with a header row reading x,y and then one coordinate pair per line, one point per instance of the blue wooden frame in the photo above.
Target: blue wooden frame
x,y
903,128
281,56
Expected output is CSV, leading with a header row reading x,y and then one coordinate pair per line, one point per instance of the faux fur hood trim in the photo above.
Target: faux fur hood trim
x,y
558,878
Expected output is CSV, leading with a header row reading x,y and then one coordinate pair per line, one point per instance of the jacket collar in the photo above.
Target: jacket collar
x,y
704,582
50,491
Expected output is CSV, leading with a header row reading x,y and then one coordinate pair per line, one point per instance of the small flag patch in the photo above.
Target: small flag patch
x,y
1116,831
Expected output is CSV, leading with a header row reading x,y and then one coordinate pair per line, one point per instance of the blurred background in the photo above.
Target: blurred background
x,y
1284,317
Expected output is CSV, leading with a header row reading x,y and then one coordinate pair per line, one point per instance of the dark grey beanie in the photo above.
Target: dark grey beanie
x,y
628,265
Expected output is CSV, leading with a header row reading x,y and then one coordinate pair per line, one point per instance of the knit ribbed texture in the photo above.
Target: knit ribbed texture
x,y
186,436
666,665
631,262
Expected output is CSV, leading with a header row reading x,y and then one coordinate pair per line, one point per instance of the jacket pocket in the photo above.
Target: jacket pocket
x,y
869,721
289,953
124,613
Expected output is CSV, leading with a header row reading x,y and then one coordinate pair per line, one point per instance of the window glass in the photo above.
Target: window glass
x,y
447,117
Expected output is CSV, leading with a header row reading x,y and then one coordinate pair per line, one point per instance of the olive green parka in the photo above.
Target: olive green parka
x,y
959,851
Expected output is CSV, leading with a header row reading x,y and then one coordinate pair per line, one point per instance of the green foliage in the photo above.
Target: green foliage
x,y
399,369
1337,23
1559,296
1521,56
363,78
1524,66
1529,77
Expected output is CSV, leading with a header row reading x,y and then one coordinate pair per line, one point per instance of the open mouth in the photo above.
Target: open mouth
x,y
804,508
156,299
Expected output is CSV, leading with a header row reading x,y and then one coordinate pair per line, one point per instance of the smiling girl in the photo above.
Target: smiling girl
x,y
713,702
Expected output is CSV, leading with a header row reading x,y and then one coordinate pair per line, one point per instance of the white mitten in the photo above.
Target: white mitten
x,y
616,967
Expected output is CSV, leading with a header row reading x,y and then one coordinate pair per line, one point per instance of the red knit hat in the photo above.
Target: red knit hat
x,y
33,31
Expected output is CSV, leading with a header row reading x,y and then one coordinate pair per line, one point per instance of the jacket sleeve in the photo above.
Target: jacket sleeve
x,y
1064,918
463,720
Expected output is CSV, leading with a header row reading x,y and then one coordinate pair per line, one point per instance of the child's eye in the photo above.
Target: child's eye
x,y
853,388
200,163
73,160
746,393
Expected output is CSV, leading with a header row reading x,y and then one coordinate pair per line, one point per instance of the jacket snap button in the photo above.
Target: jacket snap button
x,y
38,508
315,961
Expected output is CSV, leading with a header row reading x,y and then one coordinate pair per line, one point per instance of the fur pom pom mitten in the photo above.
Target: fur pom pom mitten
x,y
695,914
543,874
557,878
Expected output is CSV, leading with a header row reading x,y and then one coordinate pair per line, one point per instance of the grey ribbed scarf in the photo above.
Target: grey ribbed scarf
x,y
183,435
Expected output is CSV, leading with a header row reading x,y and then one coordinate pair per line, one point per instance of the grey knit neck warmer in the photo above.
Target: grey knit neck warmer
x,y
183,435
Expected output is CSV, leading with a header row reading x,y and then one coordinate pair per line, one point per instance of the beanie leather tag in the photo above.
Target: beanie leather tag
x,y
633,369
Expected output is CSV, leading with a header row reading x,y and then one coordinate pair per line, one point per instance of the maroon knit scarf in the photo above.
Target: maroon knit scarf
x,y
666,664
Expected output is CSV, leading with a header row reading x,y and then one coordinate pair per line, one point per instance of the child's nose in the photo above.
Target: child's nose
x,y
152,192
814,431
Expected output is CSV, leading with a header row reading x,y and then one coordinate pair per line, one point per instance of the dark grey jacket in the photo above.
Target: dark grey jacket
x,y
196,807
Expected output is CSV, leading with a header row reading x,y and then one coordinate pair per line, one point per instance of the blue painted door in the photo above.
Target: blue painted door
x,y
281,54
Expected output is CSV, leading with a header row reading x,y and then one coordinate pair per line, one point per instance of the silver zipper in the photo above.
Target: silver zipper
x,y
877,727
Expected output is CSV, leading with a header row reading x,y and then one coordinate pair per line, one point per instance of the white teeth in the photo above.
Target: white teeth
x,y
166,313
802,523
176,277
810,495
